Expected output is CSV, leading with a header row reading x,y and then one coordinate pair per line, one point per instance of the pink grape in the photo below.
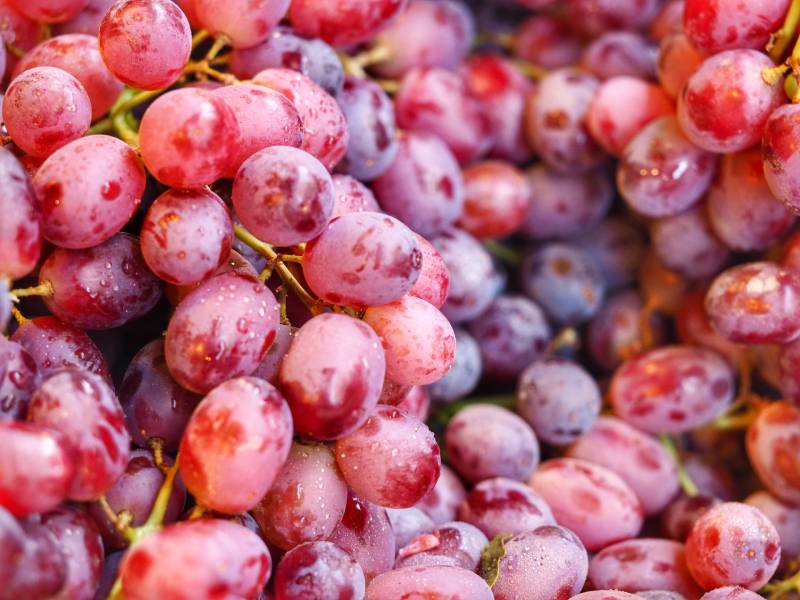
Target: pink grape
x,y
456,544
427,204
283,195
332,394
87,21
365,533
438,101
391,460
500,505
755,303
418,340
438,581
497,198
350,195
49,11
88,190
433,283
346,23
17,29
363,259
464,375
730,592
661,172
307,499
484,441
441,503
242,422
620,53
20,229
593,17
266,118
36,471
235,262
189,137
733,544
145,43
615,332
19,378
716,25
726,103
785,518
710,475
677,61
198,559
318,569
101,287
680,516
547,562
79,55
409,523
780,155
45,108
592,501
669,20
325,132
85,410
416,403
244,23
546,41
606,595
772,442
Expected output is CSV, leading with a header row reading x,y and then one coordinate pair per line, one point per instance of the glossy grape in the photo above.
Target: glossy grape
x,y
346,23
772,442
716,25
429,582
19,378
606,595
433,283
785,518
680,516
677,61
244,23
441,502
456,544
730,592
350,195
780,155
49,11
408,524
318,569
614,334
88,20
620,53
617,247
496,199
20,230
465,372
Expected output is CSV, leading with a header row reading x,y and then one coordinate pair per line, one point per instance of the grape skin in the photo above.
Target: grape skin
x,y
677,61
246,24
785,518
680,516
496,199
456,544
347,22
20,230
350,195
772,443
620,53
730,592
433,283
441,503
547,41
429,582
19,378
716,25
318,570
49,11
780,155
465,373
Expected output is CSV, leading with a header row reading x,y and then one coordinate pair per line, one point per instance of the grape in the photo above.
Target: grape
x,y
726,103
5,303
785,518
346,22
496,199
49,11
370,121
454,544
78,541
186,235
546,41
416,403
426,34
555,121
45,108
788,374
332,394
672,389
612,126
306,501
716,25
685,243
500,505
235,262
283,195
643,564
617,246
709,474
202,559
365,533
409,523
100,287
558,399
565,282
136,491
391,460
614,333
593,17
325,133
36,470
677,61
438,101
438,581
19,378
566,205
145,43
244,23
318,570
350,195
484,441
755,303
83,408
731,592
733,544
16,29
503,89
663,289
661,172
87,21
423,187
242,422
772,446
108,575
189,138
220,331
283,48
680,516
695,328
606,595
620,53
589,499
637,458
780,155
418,340
545,563
463,375
78,55
433,283
441,502
511,333
88,190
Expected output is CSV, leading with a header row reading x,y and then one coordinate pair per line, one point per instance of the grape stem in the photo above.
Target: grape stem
x,y
779,40
687,485
43,289
121,522
20,318
16,52
202,67
197,512
530,70
779,589
156,446
199,37
503,252
156,518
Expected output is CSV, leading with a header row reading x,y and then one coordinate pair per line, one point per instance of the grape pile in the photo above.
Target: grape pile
x,y
399,300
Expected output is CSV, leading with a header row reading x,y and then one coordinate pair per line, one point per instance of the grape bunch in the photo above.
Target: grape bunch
x,y
399,300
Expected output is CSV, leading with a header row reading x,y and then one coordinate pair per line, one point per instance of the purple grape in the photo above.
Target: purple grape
x,y
350,195
465,373
429,582
109,575
545,40
710,474
441,503
680,516
772,443
617,247
19,378
5,303
409,523
594,17
785,518
318,570
614,333
620,53
455,544
87,21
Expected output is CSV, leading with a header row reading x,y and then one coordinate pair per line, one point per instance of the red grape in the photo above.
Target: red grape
x,y
465,373
243,22
730,592
680,516
408,524
773,441
593,17
669,20
546,41
318,570
780,155
19,378
88,20
49,11
614,333
716,25
270,365
677,61
345,22
497,198
433,283
455,544
694,327
620,53
438,581
350,195
607,595
16,29
20,235
785,518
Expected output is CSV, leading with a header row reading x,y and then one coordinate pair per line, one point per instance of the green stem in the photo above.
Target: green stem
x,y
126,133
503,252
43,289
780,40
156,518
199,37
102,126
130,98
688,486
779,589
116,591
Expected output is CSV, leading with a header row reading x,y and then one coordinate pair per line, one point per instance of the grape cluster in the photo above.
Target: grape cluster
x,y
399,300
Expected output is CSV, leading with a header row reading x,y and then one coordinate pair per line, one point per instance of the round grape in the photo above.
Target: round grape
x,y
619,54
716,25
244,23
464,375
19,378
438,581
497,198
321,570
345,23
350,195
20,229
441,502
772,446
